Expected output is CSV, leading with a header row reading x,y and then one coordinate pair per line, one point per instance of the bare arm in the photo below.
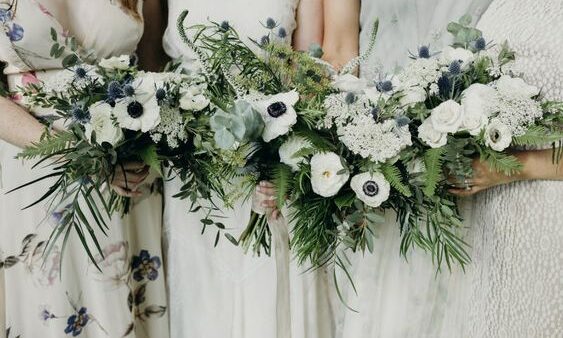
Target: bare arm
x,y
341,41
310,22
151,53
17,126
538,165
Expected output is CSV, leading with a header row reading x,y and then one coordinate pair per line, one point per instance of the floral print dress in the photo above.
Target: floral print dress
x,y
44,296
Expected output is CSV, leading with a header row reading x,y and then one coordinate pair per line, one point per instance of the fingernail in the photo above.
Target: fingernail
x,y
263,183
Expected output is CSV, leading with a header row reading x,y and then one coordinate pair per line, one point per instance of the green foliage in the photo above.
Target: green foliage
x,y
282,179
49,144
537,136
433,163
501,162
395,178
241,124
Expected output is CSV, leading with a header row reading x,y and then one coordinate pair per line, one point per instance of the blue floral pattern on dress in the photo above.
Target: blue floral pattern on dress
x,y
77,322
145,266
15,31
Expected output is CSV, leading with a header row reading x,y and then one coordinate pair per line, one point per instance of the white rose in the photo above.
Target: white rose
x,y
498,136
516,87
116,62
472,121
479,99
412,95
349,83
447,117
290,148
372,189
430,136
325,177
102,125
463,56
278,114
191,102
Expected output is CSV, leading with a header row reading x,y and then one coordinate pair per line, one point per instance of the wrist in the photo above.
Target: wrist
x,y
526,158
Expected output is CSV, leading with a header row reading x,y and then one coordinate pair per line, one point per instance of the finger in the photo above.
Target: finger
x,y
126,186
124,192
134,166
275,214
267,191
267,184
124,174
134,179
269,203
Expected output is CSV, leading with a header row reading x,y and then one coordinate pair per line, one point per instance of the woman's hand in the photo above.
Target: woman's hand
x,y
536,165
128,178
267,193
483,178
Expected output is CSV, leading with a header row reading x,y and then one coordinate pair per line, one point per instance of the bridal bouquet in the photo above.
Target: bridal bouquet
x,y
469,101
337,154
113,114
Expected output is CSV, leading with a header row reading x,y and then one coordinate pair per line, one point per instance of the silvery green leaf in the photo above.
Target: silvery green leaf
x,y
466,20
224,138
238,128
252,119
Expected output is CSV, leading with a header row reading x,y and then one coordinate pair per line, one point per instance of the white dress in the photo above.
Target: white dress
x,y
219,292
39,296
398,298
515,287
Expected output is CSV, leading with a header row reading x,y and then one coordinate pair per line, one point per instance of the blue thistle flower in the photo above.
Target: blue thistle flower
x,y
350,98
80,72
160,94
424,52
133,60
375,113
480,44
129,90
225,26
114,90
282,33
264,41
455,68
444,86
80,115
402,121
315,50
271,23
384,86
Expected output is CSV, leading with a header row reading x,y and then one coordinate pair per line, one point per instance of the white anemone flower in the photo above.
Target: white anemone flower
x,y
139,111
372,189
327,174
498,135
278,114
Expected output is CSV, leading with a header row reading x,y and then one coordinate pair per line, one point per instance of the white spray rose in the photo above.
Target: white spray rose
x,y
102,125
463,56
516,87
430,136
325,177
349,83
290,148
447,117
412,95
115,62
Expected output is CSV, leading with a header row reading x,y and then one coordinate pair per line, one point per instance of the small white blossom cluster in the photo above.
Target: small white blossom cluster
x,y
339,112
420,73
172,127
376,141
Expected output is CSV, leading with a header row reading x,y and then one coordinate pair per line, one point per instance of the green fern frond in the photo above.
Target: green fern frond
x,y
394,177
433,159
537,135
49,144
282,179
501,162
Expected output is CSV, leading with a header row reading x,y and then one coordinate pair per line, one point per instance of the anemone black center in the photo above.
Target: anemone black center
x,y
370,188
135,109
277,109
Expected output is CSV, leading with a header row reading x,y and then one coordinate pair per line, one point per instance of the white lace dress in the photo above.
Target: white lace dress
x,y
219,292
516,282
